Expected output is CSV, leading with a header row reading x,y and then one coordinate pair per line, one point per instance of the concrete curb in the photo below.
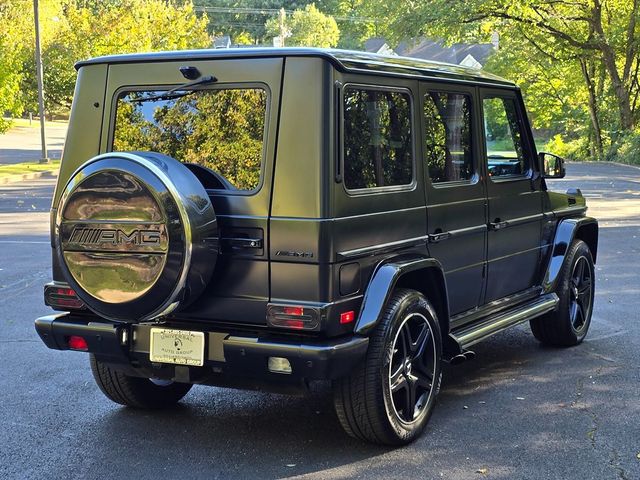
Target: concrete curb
x,y
27,176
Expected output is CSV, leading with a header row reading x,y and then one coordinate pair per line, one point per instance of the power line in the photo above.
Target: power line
x,y
273,12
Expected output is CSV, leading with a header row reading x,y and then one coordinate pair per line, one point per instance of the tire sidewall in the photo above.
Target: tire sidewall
x,y
413,302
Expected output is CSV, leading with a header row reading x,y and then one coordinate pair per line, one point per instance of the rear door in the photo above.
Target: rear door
x,y
514,196
228,127
456,197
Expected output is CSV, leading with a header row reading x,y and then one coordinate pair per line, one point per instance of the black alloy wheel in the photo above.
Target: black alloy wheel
x,y
412,368
581,293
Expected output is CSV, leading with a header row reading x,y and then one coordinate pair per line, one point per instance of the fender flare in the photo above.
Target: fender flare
x,y
381,285
567,230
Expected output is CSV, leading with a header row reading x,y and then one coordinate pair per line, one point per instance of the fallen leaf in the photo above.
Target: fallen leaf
x,y
519,398
291,465
638,456
482,471
465,407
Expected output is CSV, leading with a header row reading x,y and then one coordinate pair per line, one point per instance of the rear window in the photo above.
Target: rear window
x,y
378,145
222,130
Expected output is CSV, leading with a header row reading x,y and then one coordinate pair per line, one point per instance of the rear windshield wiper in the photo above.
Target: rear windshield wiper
x,y
173,93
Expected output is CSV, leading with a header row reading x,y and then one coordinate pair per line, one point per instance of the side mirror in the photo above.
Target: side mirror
x,y
553,165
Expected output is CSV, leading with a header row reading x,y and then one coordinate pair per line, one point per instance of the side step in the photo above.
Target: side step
x,y
468,335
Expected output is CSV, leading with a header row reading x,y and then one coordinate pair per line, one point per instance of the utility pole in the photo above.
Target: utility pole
x,y
283,31
43,138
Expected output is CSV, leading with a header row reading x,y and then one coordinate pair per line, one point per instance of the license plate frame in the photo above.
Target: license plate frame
x,y
177,347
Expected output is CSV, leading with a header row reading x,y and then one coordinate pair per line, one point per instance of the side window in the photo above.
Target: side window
x,y
447,120
378,148
503,133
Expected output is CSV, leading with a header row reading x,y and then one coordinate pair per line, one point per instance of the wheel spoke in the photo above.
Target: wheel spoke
x,y
424,379
579,318
421,342
405,340
579,272
398,381
410,402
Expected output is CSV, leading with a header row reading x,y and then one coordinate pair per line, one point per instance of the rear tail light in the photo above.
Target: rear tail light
x,y
61,297
293,316
77,343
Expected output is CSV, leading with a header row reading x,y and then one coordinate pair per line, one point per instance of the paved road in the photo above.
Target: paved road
x,y
22,144
518,410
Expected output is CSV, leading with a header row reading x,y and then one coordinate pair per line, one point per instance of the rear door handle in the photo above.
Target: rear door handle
x,y
242,242
498,225
438,237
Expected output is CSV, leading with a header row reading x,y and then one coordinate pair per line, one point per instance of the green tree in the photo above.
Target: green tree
x,y
12,44
307,28
81,30
355,18
602,31
244,20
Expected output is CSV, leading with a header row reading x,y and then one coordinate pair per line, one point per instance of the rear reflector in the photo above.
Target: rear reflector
x,y
293,316
347,317
77,343
61,298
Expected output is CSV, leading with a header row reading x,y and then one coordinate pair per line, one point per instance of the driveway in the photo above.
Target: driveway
x,y
22,143
518,411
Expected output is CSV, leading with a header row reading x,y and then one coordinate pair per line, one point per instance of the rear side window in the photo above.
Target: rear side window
x,y
378,145
219,129
447,121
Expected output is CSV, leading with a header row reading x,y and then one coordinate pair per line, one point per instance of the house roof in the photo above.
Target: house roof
x,y
436,50
373,45
343,60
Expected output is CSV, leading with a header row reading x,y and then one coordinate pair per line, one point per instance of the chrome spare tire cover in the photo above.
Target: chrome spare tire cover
x,y
136,235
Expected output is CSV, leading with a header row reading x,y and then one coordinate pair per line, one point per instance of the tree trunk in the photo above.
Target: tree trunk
x,y
609,60
619,88
587,73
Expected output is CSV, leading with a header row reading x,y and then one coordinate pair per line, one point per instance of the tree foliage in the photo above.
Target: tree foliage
x,y
307,27
574,57
73,30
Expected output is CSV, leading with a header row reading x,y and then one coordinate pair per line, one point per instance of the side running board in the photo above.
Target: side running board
x,y
470,334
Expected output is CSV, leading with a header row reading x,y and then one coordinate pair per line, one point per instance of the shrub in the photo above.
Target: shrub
x,y
626,149
576,150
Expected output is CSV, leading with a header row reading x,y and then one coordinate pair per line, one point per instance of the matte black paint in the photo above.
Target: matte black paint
x,y
476,249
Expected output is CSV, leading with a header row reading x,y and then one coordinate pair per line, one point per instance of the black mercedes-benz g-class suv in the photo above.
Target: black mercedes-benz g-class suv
x,y
264,218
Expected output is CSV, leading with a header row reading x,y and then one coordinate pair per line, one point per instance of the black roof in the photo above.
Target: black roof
x,y
344,60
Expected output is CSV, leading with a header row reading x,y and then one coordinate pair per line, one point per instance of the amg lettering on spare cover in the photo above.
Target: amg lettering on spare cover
x,y
114,236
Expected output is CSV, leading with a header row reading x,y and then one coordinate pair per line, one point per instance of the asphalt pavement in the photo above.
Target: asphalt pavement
x,y
518,411
22,143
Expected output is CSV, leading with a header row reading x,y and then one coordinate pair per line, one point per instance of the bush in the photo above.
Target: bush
x,y
626,149
576,150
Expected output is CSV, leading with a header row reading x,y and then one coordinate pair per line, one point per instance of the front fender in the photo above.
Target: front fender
x,y
381,285
567,230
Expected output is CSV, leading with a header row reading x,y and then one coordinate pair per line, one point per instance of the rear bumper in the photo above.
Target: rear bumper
x,y
226,355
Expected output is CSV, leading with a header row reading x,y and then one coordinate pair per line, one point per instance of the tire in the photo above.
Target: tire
x,y
404,356
136,392
569,323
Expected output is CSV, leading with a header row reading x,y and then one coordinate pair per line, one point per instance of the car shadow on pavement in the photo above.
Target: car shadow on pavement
x,y
226,433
